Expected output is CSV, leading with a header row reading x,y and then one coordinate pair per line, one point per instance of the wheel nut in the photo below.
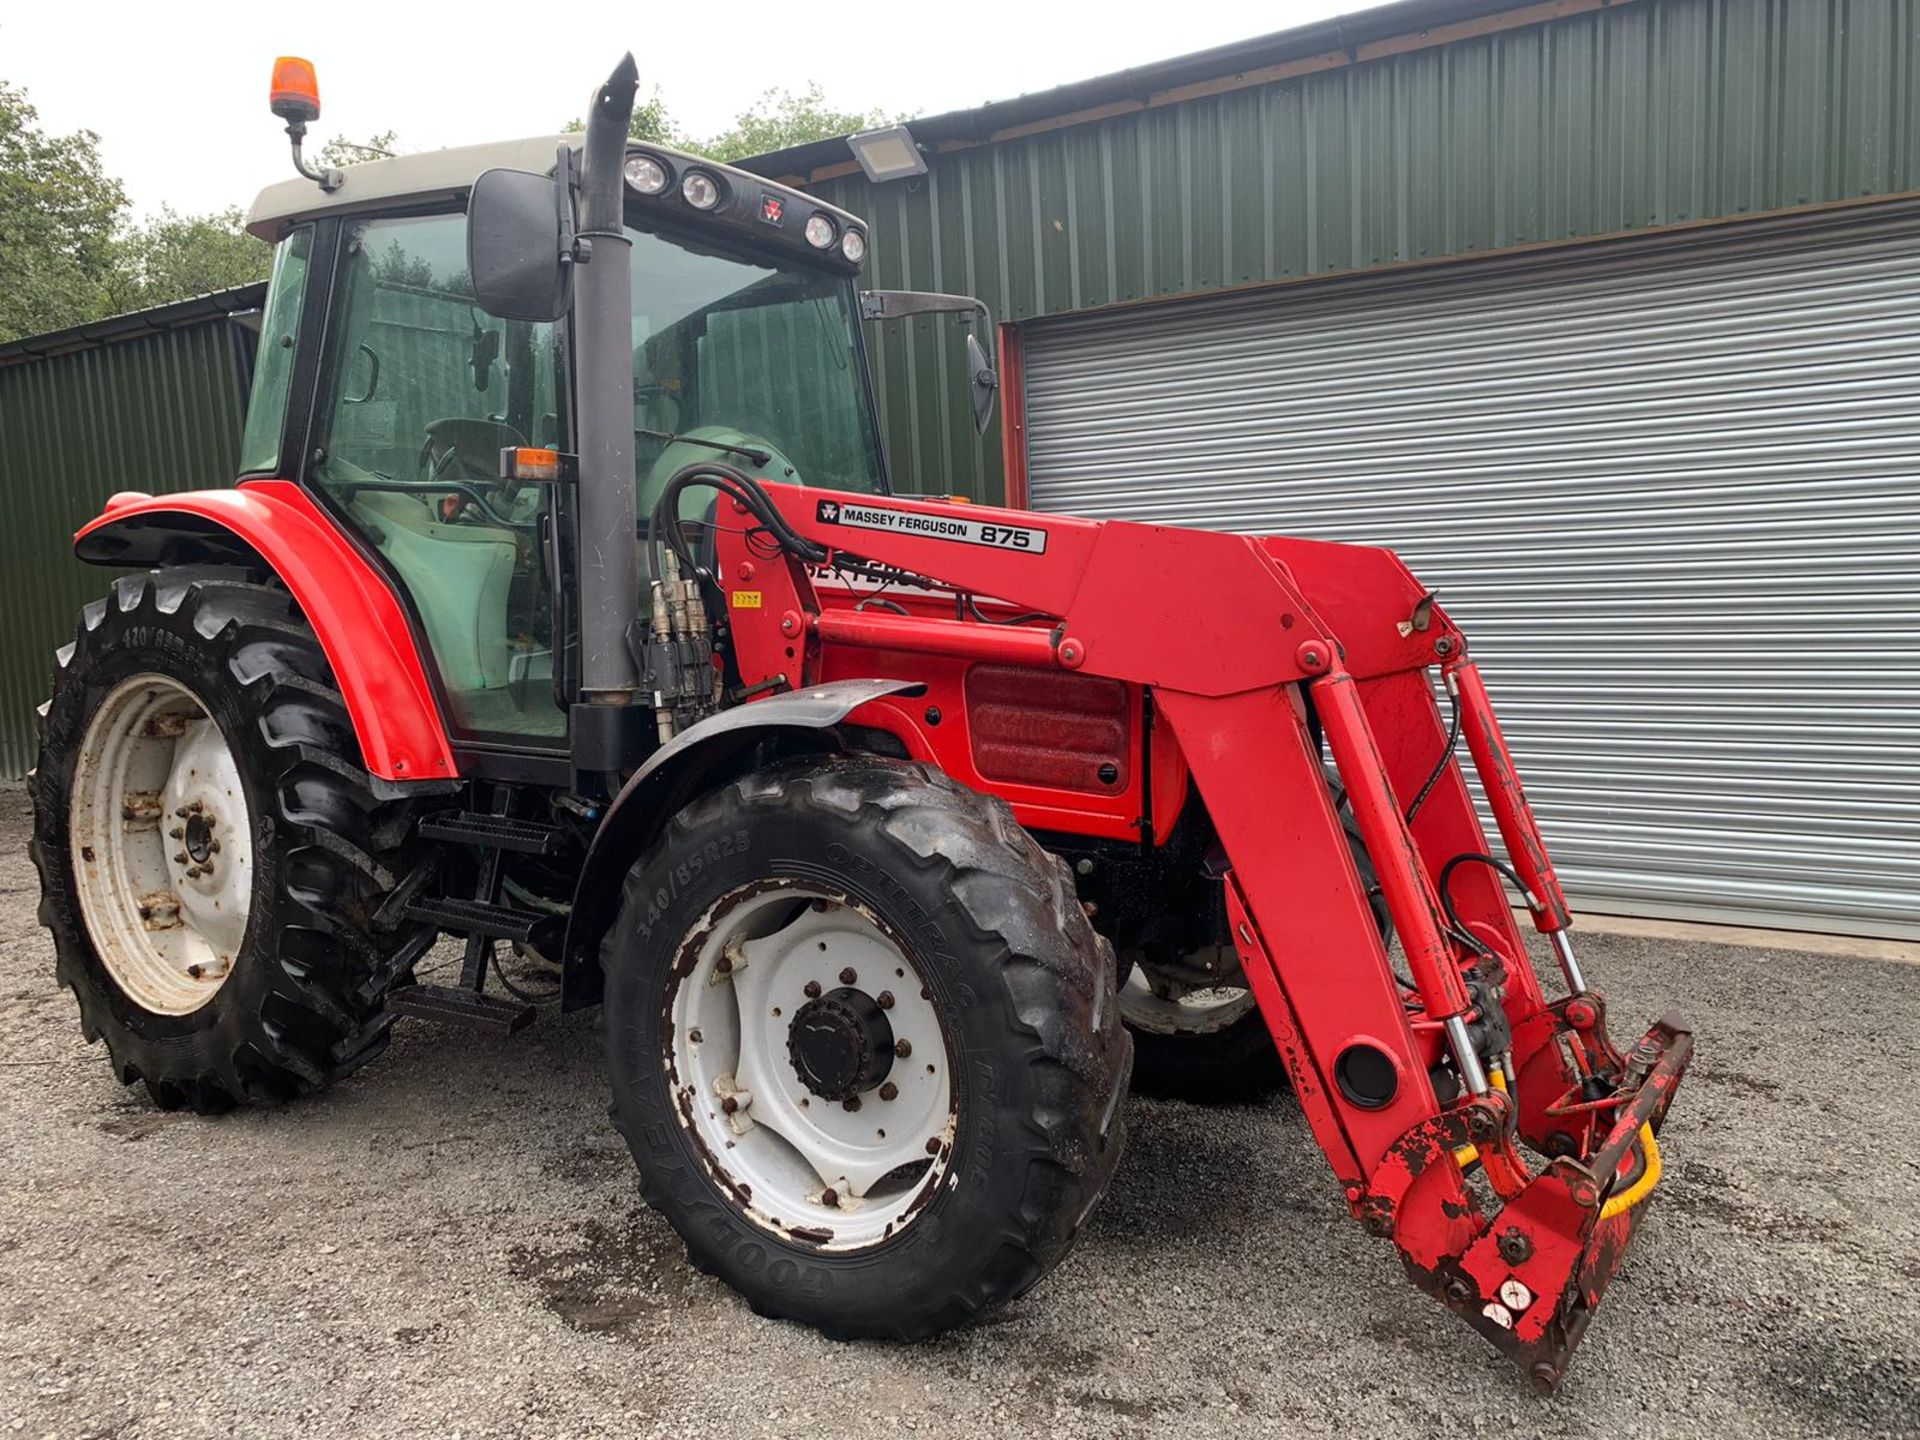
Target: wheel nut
x,y
902,1048
811,989
889,1090
179,857
830,1198
884,999
852,1102
933,1146
724,965
178,832
728,1105
181,813
847,977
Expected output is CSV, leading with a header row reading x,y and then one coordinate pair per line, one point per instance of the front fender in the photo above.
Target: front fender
x,y
361,625
671,777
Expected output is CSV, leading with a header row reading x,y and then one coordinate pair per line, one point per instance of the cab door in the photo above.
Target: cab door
x,y
419,391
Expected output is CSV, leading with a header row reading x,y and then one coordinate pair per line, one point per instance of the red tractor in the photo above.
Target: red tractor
x,y
566,600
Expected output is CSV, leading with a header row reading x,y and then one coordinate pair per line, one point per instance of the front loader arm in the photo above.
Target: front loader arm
x,y
1257,650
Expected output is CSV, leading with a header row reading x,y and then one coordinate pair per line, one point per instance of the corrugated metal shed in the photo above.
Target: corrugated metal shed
x,y
1507,128
1667,485
153,401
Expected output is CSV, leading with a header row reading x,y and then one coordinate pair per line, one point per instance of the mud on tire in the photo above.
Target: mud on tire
x,y
301,1006
1024,993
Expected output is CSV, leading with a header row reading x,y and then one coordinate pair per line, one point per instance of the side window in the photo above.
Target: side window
x,y
273,365
420,392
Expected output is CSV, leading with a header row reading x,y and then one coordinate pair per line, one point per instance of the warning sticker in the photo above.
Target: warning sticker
x,y
1023,539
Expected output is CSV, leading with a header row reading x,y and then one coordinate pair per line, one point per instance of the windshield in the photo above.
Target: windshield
x,y
758,353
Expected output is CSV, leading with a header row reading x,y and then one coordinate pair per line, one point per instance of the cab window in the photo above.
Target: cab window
x,y
273,364
757,353
420,392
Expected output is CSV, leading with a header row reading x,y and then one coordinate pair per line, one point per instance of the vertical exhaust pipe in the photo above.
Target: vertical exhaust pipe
x,y
609,549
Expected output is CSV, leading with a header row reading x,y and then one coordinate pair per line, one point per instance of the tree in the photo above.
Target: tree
x,y
58,213
180,255
340,152
781,119
650,121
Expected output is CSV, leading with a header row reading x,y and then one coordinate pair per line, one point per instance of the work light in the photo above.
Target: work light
x,y
887,154
820,230
699,190
853,245
646,174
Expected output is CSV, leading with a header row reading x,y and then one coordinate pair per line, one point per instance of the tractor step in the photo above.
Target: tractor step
x,y
457,1005
477,917
495,832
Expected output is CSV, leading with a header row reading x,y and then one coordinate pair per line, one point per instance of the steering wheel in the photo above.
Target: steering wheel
x,y
467,451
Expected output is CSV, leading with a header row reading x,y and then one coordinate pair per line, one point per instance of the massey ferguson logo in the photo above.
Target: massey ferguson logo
x,y
1022,539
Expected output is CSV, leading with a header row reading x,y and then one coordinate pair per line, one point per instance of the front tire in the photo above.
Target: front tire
x,y
210,850
775,953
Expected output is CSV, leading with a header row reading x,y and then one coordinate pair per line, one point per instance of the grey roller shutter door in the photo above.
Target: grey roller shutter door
x,y
1669,485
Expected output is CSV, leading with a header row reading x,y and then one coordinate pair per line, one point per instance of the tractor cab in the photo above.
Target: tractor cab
x,y
389,391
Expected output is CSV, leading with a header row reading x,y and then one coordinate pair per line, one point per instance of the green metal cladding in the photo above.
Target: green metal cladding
x,y
161,412
1640,115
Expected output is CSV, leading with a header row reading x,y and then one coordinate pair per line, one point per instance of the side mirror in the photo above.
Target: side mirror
x,y
982,382
520,245
486,350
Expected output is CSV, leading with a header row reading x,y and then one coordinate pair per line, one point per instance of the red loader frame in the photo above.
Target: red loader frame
x,y
1245,646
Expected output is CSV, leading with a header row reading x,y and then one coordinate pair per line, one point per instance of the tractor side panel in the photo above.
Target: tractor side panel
x,y
363,629
1063,750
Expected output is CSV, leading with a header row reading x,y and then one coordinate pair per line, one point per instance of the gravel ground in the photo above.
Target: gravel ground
x,y
452,1243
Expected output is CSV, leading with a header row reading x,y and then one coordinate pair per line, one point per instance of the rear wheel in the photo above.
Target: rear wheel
x,y
864,1045
1194,1037
1198,1033
210,852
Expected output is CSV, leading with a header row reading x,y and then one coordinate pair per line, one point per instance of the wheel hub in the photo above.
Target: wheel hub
x,y
811,1065
840,1044
160,844
199,837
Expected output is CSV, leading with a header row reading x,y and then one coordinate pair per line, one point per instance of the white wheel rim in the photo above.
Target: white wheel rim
x,y
1204,1011
807,1168
161,843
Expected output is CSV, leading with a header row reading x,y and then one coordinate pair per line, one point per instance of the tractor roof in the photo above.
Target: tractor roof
x,y
407,180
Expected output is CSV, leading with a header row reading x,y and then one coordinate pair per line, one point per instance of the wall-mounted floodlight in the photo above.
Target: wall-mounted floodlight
x,y
888,154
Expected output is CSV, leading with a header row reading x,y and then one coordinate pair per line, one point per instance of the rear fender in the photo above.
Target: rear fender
x,y
361,625
676,772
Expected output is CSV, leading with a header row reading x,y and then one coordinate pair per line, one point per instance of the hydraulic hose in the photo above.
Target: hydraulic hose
x,y
1641,1188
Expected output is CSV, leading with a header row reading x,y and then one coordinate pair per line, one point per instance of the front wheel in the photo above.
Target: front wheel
x,y
864,1046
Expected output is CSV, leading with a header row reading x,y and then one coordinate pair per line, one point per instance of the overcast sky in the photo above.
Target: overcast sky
x,y
178,94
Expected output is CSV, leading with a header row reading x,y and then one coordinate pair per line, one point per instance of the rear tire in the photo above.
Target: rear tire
x,y
1226,1056
937,892
1222,1064
225,676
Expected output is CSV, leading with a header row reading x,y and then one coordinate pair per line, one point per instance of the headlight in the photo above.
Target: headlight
x,y
700,191
853,245
646,174
820,231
